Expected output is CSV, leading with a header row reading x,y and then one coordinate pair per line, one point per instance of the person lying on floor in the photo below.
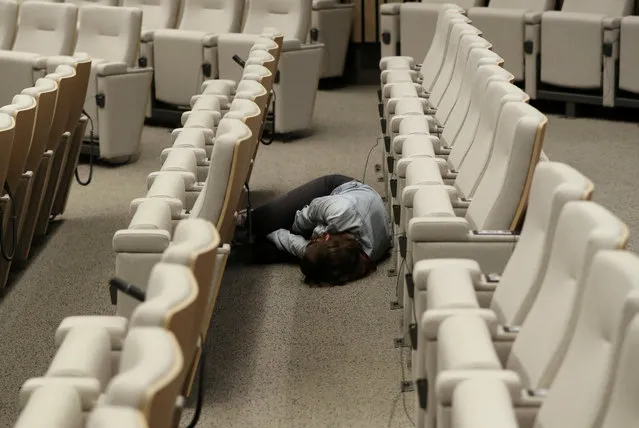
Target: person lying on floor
x,y
334,226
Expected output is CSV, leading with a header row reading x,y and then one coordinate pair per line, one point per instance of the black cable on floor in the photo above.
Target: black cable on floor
x,y
91,141
200,391
14,220
368,158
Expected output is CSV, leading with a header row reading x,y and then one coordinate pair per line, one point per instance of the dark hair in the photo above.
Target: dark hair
x,y
335,260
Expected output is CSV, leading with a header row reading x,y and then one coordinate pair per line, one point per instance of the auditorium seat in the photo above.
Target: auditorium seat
x,y
18,182
331,23
412,25
585,75
186,56
596,376
505,22
445,225
462,339
59,406
39,158
510,297
8,23
118,92
44,29
146,376
81,3
229,166
300,64
628,62
74,72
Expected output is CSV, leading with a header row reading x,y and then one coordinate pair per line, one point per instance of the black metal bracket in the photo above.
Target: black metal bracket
x,y
393,187
412,333
607,49
422,392
390,163
314,35
142,62
207,69
410,285
100,100
386,38
397,215
529,47
382,123
403,243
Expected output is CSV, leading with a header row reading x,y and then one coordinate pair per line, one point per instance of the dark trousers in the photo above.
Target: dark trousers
x,y
280,214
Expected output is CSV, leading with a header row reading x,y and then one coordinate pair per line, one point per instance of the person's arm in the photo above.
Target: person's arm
x,y
326,214
289,242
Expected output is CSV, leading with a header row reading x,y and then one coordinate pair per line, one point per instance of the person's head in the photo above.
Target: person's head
x,y
335,259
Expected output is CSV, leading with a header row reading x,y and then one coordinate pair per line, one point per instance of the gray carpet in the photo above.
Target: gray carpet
x,y
279,354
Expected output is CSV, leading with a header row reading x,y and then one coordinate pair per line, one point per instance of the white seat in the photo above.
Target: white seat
x,y
186,56
578,74
146,376
476,146
628,61
504,23
331,24
8,23
584,229
45,29
300,64
595,382
511,296
444,225
416,24
118,92
81,3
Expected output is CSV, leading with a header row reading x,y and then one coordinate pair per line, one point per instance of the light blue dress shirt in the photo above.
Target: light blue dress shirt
x,y
353,207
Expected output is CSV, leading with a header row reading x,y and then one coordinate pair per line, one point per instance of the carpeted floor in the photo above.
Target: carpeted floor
x,y
279,354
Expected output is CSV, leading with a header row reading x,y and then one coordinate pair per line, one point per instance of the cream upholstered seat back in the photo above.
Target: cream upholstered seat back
x,y
23,110
530,5
156,14
229,163
621,409
584,229
148,378
110,33
610,303
554,184
461,137
502,192
599,7
46,28
498,95
8,22
212,16
7,131
291,17
45,92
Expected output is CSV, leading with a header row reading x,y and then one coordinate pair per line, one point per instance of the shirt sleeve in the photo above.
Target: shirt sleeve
x,y
326,214
289,242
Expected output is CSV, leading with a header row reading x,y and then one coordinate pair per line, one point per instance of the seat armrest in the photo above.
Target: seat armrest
x,y
448,380
493,236
612,23
88,389
533,18
149,230
496,12
432,320
331,4
110,68
483,402
390,8
409,193
116,326
34,60
147,36
451,287
169,188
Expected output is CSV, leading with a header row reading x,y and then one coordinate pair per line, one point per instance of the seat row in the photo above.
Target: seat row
x,y
505,316
41,130
537,40
140,364
153,65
